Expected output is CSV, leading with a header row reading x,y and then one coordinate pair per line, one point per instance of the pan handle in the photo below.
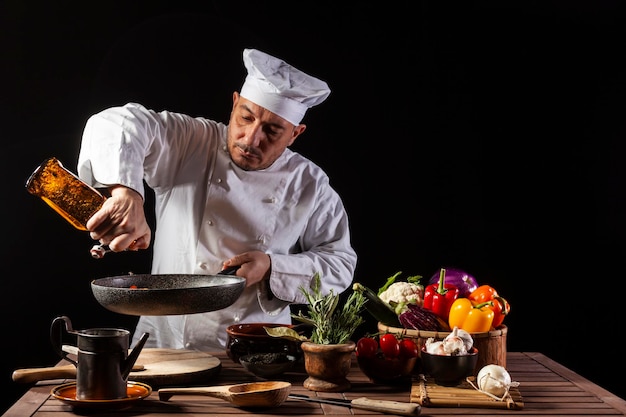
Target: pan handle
x,y
229,271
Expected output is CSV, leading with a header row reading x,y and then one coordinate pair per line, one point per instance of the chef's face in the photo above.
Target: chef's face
x,y
256,136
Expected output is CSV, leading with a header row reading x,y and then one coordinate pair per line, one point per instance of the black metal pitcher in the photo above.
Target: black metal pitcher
x,y
103,361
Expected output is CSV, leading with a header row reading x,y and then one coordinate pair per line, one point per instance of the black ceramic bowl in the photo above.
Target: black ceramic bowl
x,y
268,365
449,370
247,338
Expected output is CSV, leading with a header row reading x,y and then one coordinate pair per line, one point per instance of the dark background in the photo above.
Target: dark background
x,y
481,135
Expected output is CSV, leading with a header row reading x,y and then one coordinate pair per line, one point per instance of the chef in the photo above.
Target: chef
x,y
225,195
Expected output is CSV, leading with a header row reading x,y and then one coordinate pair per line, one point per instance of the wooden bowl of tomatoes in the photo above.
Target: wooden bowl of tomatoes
x,y
386,358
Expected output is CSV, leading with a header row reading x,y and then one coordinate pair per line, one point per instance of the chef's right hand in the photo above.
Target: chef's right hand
x,y
121,222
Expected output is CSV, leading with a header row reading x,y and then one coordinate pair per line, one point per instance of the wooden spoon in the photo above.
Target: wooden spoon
x,y
253,394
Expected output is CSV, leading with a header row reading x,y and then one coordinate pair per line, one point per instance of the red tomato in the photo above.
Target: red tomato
x,y
389,345
366,347
408,348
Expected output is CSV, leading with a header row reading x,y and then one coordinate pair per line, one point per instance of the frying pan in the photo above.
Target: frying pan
x,y
167,294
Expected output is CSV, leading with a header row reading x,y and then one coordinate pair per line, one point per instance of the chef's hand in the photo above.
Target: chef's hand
x,y
121,222
254,266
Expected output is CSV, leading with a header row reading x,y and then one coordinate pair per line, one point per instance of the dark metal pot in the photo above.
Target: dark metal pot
x,y
167,294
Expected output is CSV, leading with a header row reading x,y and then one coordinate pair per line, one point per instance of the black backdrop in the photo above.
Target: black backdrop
x,y
485,136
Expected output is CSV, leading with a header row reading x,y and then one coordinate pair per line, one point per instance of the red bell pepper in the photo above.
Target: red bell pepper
x,y
499,305
439,297
501,309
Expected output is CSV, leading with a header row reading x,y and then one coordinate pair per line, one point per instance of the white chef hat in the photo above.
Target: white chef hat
x,y
279,87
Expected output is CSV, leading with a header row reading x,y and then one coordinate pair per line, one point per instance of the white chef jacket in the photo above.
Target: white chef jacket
x,y
207,210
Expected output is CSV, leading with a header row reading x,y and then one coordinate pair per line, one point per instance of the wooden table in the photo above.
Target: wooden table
x,y
547,388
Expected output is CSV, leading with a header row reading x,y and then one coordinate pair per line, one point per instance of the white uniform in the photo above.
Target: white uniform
x,y
208,210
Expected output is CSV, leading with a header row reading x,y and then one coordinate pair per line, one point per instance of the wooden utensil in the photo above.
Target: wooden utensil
x,y
274,393
253,394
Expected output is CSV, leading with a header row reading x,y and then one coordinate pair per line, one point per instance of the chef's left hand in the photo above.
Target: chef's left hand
x,y
254,266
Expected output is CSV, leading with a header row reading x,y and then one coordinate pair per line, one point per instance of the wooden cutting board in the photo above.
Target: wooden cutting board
x,y
166,367
159,368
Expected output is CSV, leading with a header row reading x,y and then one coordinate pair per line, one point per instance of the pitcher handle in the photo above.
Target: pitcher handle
x,y
56,337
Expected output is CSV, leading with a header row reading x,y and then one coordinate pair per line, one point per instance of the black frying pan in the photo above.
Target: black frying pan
x,y
167,294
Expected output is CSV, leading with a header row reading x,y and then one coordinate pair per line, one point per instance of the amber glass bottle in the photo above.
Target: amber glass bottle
x,y
67,194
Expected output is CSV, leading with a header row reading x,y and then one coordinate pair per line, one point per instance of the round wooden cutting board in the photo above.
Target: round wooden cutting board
x,y
159,368
164,367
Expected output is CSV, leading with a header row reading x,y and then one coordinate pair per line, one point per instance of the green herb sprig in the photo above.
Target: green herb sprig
x,y
330,324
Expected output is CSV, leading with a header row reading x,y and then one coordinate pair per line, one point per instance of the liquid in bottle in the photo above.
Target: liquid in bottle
x,y
75,200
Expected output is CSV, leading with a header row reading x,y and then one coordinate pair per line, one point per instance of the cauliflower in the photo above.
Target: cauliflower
x,y
401,293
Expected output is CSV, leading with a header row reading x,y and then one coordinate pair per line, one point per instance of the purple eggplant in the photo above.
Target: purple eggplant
x,y
465,282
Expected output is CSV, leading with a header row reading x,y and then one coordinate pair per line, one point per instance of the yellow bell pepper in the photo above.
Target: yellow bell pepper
x,y
471,316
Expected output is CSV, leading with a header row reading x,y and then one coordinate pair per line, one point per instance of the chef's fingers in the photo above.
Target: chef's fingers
x,y
142,242
255,266
128,241
98,251
124,237
124,207
121,222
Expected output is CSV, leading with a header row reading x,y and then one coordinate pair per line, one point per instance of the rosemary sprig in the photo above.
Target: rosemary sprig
x,y
330,324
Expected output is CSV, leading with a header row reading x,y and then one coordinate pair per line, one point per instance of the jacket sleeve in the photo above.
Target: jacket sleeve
x,y
124,145
325,248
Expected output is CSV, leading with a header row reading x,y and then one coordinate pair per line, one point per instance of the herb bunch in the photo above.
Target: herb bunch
x,y
331,325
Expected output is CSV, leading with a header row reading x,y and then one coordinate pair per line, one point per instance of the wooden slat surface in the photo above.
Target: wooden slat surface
x,y
425,391
547,389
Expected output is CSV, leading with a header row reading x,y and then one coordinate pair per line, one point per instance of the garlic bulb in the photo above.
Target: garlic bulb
x,y
494,380
458,342
434,347
467,338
